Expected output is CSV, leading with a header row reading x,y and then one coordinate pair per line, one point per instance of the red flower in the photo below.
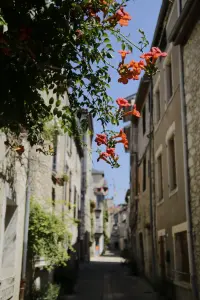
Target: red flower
x,y
123,17
104,156
122,102
153,55
133,112
101,139
123,53
120,134
120,17
123,137
111,151
157,52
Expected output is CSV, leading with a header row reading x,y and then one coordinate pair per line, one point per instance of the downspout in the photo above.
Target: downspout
x,y
187,181
26,227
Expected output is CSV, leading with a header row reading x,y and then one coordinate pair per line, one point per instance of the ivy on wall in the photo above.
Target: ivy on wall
x,y
48,236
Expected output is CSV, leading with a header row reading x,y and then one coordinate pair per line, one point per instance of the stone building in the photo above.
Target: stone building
x,y
110,220
55,182
122,227
159,210
100,188
13,197
185,35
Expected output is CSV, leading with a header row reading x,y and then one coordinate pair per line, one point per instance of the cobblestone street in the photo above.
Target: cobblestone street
x,y
106,278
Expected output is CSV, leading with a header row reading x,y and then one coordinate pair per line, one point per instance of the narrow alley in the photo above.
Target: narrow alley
x,y
107,278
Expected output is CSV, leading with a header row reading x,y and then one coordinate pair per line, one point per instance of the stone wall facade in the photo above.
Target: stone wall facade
x,y
13,185
192,96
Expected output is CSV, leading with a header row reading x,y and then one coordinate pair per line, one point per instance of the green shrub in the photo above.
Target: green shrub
x,y
51,292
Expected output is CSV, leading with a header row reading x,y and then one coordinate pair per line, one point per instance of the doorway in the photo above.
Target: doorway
x,y
162,257
142,252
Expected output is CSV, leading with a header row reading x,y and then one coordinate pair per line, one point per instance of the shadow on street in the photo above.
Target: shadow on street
x,y
106,277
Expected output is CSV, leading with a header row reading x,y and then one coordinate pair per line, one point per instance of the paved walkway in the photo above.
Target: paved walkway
x,y
106,278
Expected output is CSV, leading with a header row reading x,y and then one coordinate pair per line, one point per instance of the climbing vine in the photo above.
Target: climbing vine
x,y
48,236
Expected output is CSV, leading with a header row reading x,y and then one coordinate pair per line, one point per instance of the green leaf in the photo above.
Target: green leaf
x,y
58,103
51,100
123,46
106,40
109,55
130,48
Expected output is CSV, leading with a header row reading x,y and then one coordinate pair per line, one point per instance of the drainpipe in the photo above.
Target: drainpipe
x,y
26,226
151,183
187,181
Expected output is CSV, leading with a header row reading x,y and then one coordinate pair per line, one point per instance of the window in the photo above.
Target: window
x,y
160,177
162,257
144,120
157,100
10,210
53,196
181,257
144,174
169,80
172,163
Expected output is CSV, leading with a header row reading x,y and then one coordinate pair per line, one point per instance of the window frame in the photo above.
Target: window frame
x,y
166,62
159,153
175,230
171,133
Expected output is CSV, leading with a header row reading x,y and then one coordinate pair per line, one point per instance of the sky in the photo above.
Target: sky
x,y
144,16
